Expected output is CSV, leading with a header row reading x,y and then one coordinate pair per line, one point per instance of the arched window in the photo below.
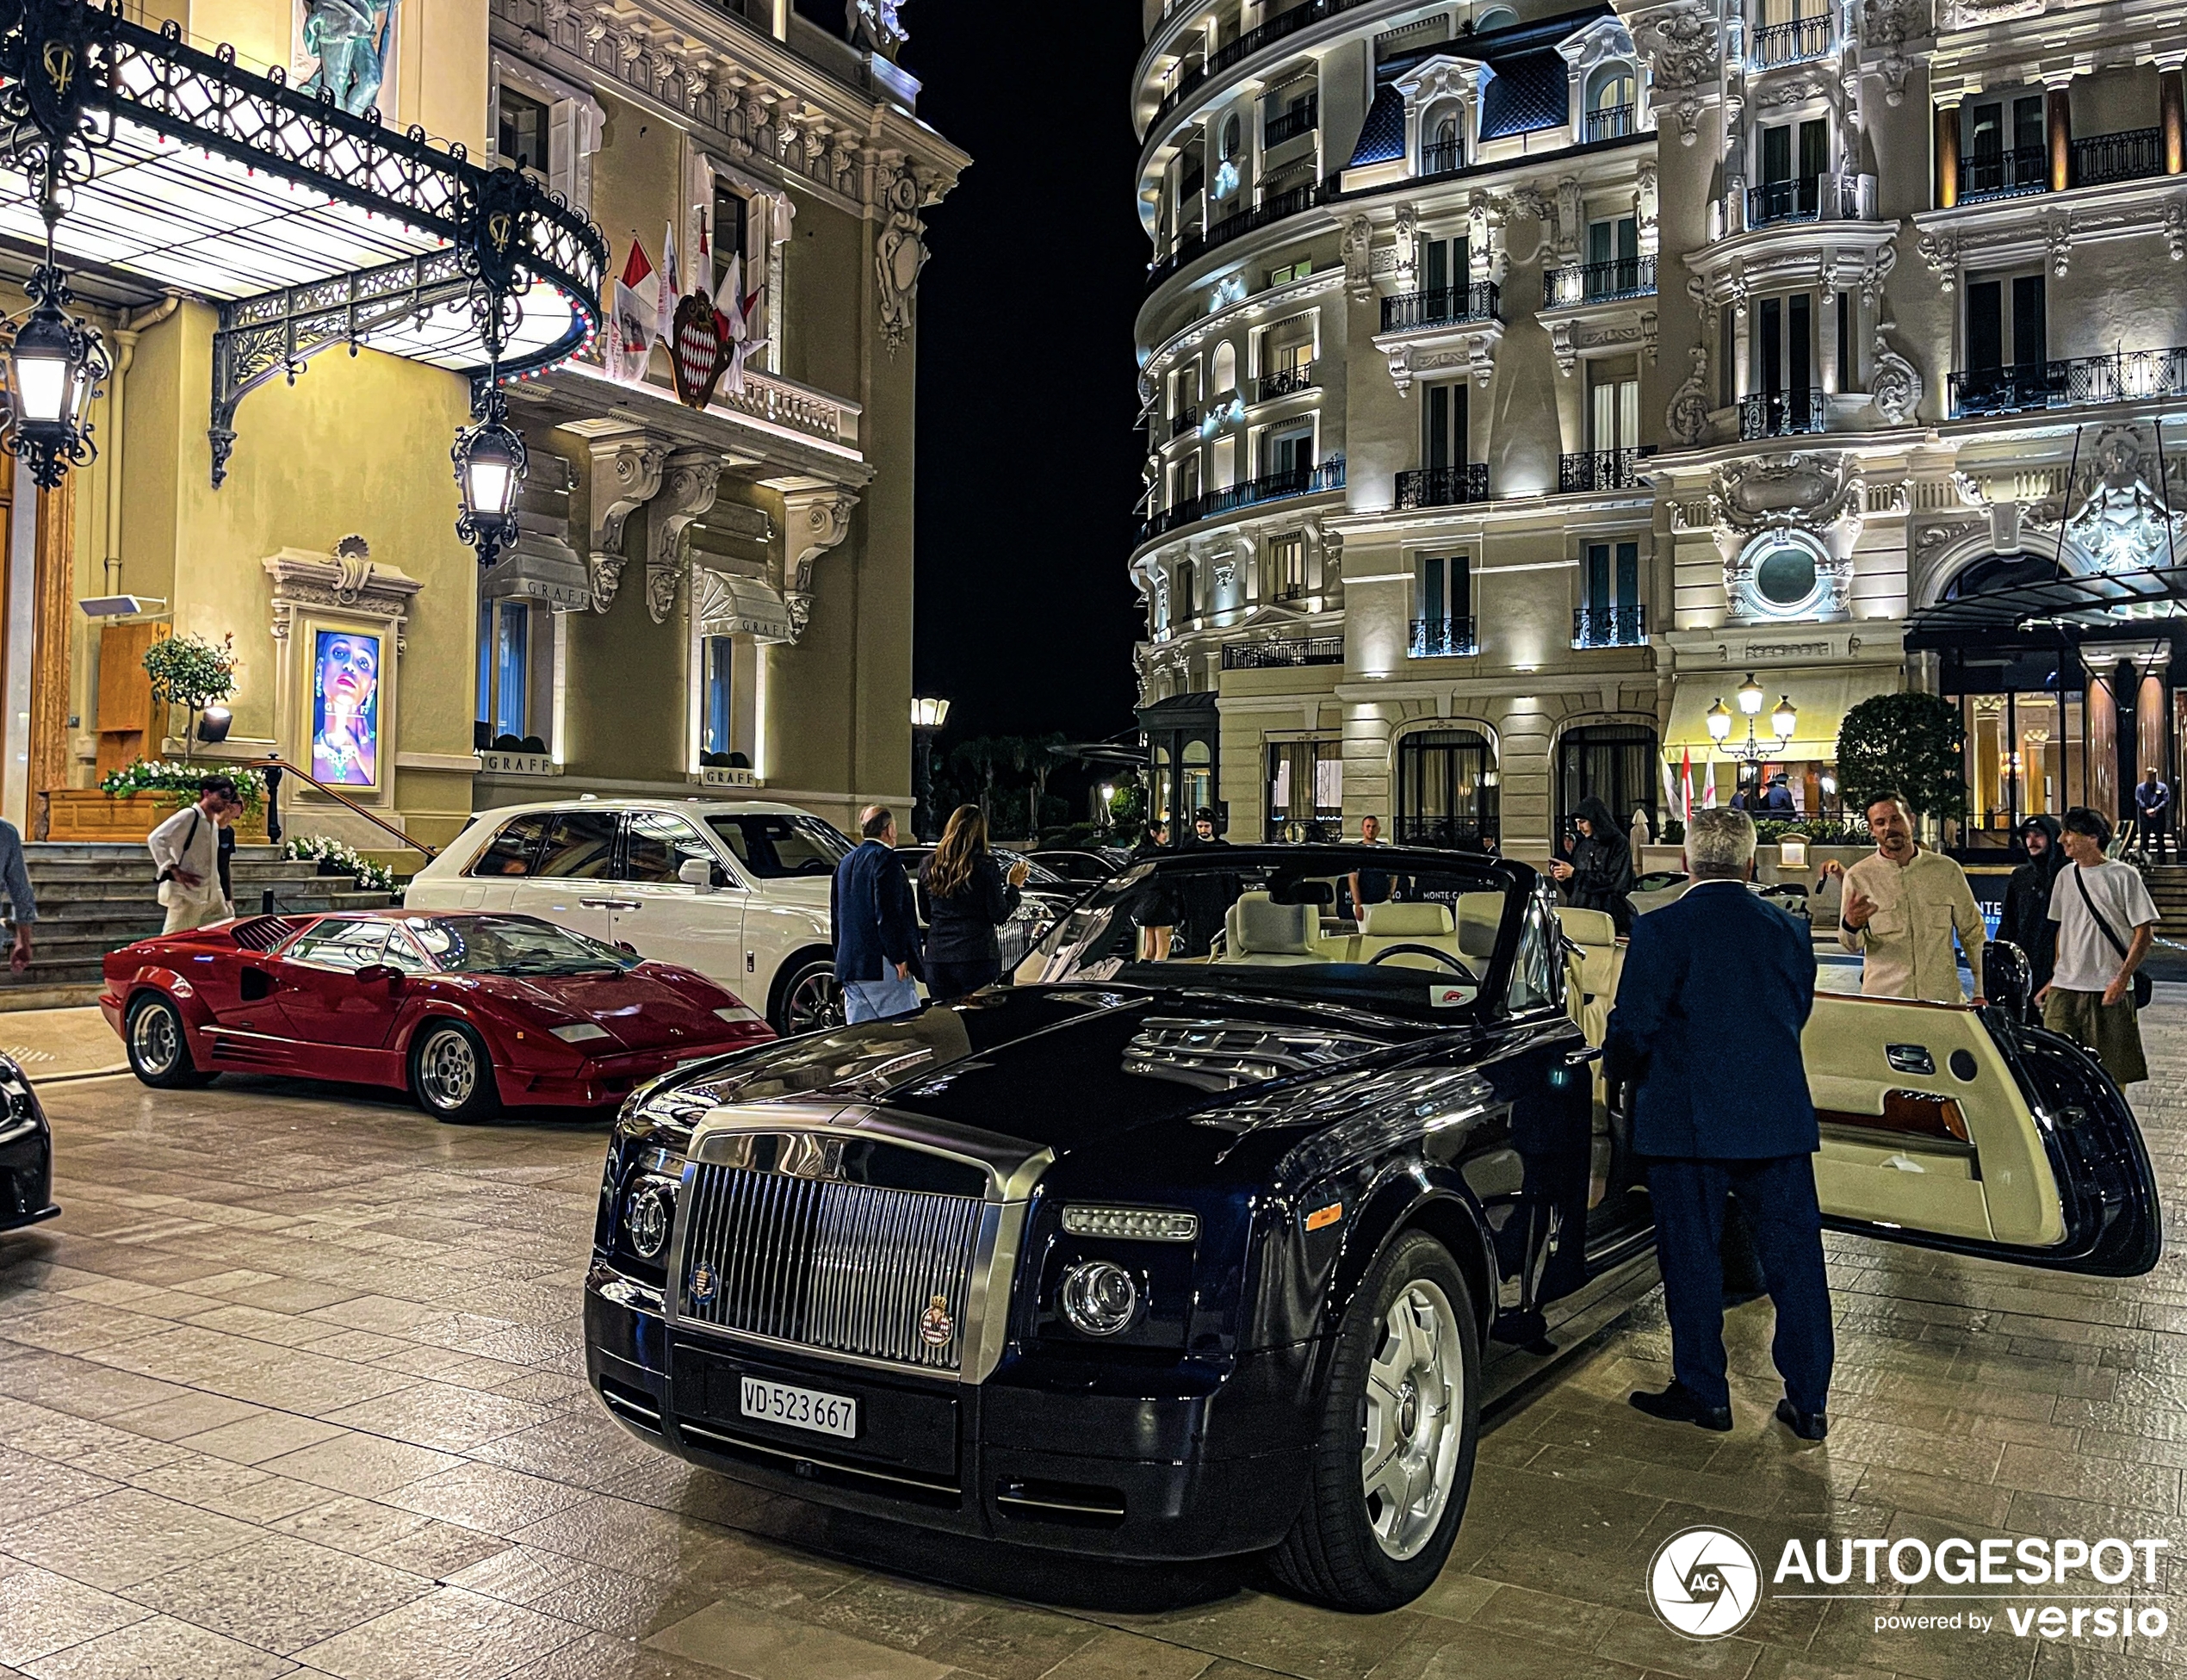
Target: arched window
x,y
1232,136
1447,793
1226,370
1610,93
1496,17
1441,148
1613,762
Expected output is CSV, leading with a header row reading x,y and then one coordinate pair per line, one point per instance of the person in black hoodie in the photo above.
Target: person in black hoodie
x,y
968,897
2027,920
1600,874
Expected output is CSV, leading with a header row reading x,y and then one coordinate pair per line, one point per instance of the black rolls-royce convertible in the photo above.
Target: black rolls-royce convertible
x,y
26,1152
1191,1243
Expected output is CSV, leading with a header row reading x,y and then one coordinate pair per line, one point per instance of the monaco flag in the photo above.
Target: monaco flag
x,y
733,313
637,302
664,327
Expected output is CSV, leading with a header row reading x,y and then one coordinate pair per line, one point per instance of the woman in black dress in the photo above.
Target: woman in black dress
x,y
968,897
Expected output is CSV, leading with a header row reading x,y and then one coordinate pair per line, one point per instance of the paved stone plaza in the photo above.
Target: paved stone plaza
x,y
294,1386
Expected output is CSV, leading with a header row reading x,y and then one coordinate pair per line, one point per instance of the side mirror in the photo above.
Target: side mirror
x,y
372,973
697,872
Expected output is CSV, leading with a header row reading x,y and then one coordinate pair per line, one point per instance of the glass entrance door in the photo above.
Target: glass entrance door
x,y
2025,757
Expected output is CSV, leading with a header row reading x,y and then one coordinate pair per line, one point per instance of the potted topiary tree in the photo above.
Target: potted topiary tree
x,y
191,672
1913,742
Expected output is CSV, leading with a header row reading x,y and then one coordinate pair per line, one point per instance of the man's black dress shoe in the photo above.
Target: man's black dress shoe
x,y
1807,1425
1679,1404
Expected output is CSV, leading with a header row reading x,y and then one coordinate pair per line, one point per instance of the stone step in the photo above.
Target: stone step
x,y
142,868
100,850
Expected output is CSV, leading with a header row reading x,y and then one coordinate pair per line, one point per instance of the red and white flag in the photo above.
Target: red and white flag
x,y
1686,785
630,327
664,327
734,313
1708,787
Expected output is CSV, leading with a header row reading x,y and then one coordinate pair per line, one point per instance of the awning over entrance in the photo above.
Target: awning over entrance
x,y
1820,697
730,605
2086,604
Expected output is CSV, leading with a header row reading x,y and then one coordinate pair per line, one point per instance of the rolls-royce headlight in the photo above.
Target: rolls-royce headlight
x,y
1099,1298
648,1211
1148,1225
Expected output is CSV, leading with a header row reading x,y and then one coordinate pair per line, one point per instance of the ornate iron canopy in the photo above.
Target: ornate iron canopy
x,y
2073,605
310,227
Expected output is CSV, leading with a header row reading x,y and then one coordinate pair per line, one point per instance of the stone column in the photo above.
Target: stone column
x,y
1946,184
53,601
2058,134
2171,116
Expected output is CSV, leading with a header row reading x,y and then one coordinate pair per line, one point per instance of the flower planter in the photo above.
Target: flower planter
x,y
86,814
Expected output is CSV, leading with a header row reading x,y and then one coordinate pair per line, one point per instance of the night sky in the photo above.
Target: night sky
x,y
1028,462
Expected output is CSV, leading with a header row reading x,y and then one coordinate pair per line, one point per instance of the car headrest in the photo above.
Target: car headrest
x,y
1407,922
1480,914
1592,927
1259,927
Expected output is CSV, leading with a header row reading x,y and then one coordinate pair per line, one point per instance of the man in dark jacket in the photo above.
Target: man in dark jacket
x,y
1716,990
1205,895
876,924
2026,920
1600,874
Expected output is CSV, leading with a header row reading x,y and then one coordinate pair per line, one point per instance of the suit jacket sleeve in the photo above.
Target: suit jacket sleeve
x,y
1002,898
1652,973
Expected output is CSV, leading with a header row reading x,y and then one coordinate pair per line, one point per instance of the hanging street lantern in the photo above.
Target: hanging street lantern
x,y
490,457
56,367
490,460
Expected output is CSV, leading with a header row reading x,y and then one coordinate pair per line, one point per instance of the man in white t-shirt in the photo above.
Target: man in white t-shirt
x,y
2089,998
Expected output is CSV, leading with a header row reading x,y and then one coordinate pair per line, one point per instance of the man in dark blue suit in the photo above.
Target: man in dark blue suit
x,y
876,923
1715,991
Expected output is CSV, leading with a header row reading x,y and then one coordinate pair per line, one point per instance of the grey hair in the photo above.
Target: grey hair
x,y
1720,843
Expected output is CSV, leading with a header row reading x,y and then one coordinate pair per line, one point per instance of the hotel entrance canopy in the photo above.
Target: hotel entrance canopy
x,y
2075,605
308,226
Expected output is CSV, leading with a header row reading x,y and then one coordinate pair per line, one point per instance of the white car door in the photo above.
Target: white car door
x,y
789,860
666,918
490,881
572,881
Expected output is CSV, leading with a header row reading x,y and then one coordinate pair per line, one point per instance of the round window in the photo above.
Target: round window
x,y
1784,577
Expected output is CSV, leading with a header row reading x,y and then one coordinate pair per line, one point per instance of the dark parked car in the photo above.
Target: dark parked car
x,y
1083,867
26,1152
1041,902
1175,1255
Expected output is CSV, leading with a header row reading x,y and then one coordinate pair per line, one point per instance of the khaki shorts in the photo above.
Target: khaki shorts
x,y
2111,1032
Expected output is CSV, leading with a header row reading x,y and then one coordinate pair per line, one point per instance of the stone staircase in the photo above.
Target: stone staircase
x,y
96,898
2168,886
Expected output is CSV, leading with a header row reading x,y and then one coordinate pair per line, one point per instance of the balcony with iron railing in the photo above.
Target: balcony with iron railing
x,y
1442,157
1611,122
1443,486
1784,201
1243,46
2092,160
1781,413
1441,638
1598,283
1199,242
1269,487
1284,382
1600,469
1609,627
1289,125
1281,654
2133,154
1184,420
1791,43
2003,174
1442,306
2125,376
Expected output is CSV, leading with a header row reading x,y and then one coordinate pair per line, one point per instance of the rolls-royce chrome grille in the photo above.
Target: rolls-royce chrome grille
x,y
849,1269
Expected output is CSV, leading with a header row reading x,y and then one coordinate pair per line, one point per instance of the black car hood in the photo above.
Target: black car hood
x,y
1062,1068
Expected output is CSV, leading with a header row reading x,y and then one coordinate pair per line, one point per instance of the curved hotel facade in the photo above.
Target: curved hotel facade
x,y
1520,380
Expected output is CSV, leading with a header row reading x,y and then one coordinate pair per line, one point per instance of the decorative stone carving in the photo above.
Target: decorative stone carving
x,y
2058,240
1895,386
898,255
1357,249
1568,338
1686,417
1872,276
2122,523
1406,272
347,577
813,521
1474,350
1644,181
1568,219
1941,253
625,475
2176,230
1979,14
1681,46
1814,498
689,483
1792,90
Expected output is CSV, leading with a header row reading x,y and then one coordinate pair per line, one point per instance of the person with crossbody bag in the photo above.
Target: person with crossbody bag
x,y
2097,986
186,850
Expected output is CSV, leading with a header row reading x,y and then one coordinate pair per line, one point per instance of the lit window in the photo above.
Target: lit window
x,y
504,641
715,702
520,135
1290,272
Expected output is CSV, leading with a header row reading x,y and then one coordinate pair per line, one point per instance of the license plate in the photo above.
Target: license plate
x,y
799,1408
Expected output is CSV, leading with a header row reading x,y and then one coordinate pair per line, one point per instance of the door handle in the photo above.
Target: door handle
x,y
1580,1058
612,903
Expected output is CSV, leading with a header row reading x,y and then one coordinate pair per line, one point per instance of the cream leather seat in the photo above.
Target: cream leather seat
x,y
1258,930
1480,914
1384,926
1601,960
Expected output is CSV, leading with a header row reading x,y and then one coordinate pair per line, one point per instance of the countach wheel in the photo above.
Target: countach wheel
x,y
450,1074
811,1001
1399,1427
158,1051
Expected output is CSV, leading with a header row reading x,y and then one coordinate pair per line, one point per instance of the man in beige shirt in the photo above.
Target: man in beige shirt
x,y
1900,909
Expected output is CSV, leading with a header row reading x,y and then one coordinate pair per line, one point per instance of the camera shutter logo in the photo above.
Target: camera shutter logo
x,y
1705,1583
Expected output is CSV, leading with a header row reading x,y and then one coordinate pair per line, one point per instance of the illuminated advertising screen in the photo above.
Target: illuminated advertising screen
x,y
345,708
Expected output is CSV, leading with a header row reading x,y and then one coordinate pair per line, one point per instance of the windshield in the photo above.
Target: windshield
x,y
513,945
1398,931
1036,872
773,844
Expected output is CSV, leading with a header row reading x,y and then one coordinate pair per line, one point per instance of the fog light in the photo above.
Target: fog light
x,y
646,1213
1100,1298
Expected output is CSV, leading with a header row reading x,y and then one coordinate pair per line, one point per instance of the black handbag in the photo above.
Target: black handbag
x,y
2143,988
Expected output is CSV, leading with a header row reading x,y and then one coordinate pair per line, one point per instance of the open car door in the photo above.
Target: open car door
x,y
1953,1128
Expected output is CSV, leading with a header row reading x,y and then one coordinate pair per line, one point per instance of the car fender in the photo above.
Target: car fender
x,y
177,989
1415,1194
430,1009
791,959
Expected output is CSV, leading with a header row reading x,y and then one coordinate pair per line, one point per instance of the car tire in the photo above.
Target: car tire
x,y
158,1047
808,999
451,1075
1401,1416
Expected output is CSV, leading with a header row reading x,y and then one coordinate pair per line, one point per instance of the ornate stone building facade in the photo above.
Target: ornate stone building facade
x,y
1521,380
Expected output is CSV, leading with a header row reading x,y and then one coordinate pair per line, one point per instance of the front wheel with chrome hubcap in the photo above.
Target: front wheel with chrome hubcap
x,y
1400,1424
450,1073
158,1048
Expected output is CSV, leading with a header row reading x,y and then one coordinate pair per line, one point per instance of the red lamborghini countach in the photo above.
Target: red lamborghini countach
x,y
466,1011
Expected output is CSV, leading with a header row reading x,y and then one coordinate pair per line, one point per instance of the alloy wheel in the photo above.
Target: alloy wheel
x,y
1415,1412
154,1038
447,1070
814,1002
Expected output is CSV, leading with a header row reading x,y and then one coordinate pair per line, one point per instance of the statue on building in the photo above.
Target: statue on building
x,y
352,40
874,23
